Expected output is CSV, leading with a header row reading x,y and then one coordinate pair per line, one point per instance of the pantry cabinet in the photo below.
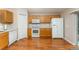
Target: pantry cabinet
x,y
6,17
3,40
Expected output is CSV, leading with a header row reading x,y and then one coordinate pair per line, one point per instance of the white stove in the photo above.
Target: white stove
x,y
35,32
35,28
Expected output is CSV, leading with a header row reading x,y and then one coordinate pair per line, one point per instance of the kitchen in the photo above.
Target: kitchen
x,y
45,24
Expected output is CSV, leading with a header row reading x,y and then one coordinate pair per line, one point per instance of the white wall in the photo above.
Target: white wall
x,y
70,10
70,27
42,25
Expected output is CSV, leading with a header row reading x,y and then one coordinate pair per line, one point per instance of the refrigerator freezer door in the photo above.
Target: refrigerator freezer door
x,y
57,28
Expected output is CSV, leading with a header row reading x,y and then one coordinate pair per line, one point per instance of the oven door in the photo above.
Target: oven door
x,y
35,33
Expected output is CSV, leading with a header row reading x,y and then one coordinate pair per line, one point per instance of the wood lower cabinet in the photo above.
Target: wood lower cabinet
x,y
29,33
3,40
6,17
46,32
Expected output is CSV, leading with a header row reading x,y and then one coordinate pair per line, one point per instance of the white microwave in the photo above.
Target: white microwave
x,y
35,20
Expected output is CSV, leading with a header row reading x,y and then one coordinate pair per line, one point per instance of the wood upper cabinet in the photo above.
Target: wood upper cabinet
x,y
47,19
31,17
6,17
43,19
3,40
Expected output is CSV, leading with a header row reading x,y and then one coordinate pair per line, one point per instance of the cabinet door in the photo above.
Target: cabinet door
x,y
32,17
3,40
6,17
29,33
45,32
45,19
2,14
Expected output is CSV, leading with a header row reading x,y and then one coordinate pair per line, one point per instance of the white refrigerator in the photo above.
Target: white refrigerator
x,y
57,27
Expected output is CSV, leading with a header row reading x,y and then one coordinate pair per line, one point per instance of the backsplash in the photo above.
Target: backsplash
x,y
8,27
41,25
1,27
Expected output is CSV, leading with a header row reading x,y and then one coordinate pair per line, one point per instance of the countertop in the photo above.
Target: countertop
x,y
7,30
1,32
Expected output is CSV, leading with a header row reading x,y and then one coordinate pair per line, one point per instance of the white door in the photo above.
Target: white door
x,y
57,28
21,26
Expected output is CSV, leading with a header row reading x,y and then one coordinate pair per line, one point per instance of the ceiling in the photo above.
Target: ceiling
x,y
35,11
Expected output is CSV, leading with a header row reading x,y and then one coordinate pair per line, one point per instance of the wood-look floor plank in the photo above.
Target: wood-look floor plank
x,y
40,44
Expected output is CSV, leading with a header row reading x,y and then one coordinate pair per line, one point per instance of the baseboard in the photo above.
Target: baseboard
x,y
22,38
12,43
70,42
